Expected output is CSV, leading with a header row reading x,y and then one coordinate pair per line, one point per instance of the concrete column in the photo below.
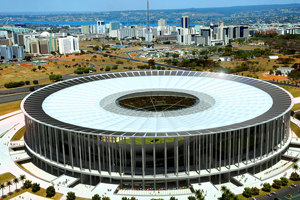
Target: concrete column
x,y
220,159
254,150
99,159
89,150
143,158
80,152
229,149
63,146
166,158
176,155
56,146
248,145
188,155
210,152
132,156
154,159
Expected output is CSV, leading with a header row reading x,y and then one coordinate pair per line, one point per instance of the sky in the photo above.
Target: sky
x,y
119,5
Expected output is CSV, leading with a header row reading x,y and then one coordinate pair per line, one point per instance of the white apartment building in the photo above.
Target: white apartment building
x,y
68,45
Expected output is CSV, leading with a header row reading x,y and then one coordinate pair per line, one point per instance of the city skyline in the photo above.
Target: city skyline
x,y
117,5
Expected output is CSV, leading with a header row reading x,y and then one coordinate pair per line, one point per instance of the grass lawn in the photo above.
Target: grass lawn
x,y
9,107
19,134
6,177
295,91
262,193
295,129
41,193
296,107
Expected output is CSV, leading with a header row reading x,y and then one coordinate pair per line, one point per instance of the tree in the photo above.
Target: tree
x,y
271,72
173,198
27,184
294,176
284,181
8,183
247,192
292,113
27,82
167,54
2,187
50,191
199,195
124,198
54,77
296,166
31,89
34,69
191,198
35,82
266,187
16,181
276,183
105,198
35,187
71,196
133,198
255,191
27,58
175,55
97,197
151,62
107,68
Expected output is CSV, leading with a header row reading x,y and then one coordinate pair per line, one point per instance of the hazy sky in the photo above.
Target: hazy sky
x,y
116,5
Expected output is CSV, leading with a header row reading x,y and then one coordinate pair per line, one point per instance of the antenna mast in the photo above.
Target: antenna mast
x,y
148,21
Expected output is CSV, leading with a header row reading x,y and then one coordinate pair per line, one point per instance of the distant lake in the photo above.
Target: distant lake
x,y
79,23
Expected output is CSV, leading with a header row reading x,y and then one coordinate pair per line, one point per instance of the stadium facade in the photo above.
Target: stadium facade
x,y
157,128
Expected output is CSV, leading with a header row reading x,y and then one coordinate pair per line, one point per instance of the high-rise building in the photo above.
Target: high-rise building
x,y
161,23
68,45
5,52
34,46
18,52
44,46
185,21
114,26
53,44
85,29
3,35
100,28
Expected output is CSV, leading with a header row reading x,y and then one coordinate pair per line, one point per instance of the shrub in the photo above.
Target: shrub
x,y
27,82
158,67
115,67
255,191
163,68
124,198
130,68
27,184
14,84
247,192
35,187
31,89
284,181
294,176
153,67
101,69
34,69
107,68
96,197
105,198
276,183
191,198
50,191
71,196
35,82
54,77
266,187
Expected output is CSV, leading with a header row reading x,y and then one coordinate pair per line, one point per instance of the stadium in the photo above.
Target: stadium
x,y
157,128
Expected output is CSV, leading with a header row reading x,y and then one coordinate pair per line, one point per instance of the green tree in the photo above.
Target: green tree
x,y
255,191
105,198
2,187
247,192
151,62
266,187
124,198
296,167
167,54
276,184
294,176
107,68
8,183
175,55
35,187
50,191
96,197
199,195
16,181
35,82
28,184
191,198
71,196
173,198
284,181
